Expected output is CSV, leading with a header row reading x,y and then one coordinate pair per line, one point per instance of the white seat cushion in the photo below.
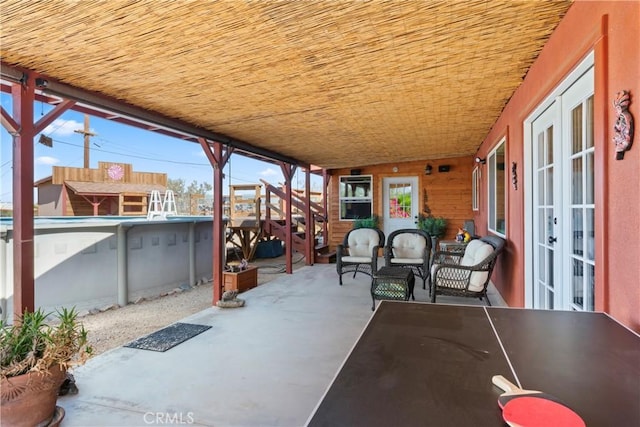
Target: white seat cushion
x,y
409,245
475,252
356,259
407,261
362,241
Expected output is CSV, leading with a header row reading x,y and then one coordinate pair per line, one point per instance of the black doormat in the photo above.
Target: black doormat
x,y
169,337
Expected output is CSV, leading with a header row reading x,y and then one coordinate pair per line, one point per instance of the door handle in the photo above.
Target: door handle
x,y
552,240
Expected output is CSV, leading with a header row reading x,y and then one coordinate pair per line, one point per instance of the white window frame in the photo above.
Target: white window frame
x,y
492,189
475,189
357,199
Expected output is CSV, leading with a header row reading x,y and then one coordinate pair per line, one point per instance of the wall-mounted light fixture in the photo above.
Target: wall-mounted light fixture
x,y
428,169
481,161
41,82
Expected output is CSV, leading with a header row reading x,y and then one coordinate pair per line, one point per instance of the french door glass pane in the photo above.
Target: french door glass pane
x,y
576,181
576,128
549,186
591,280
577,288
549,148
590,233
578,232
550,281
541,158
589,124
589,175
542,219
541,187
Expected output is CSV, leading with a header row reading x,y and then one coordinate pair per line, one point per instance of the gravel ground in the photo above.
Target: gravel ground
x,y
114,328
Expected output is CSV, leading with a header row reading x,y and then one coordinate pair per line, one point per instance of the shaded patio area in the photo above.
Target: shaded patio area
x,y
267,364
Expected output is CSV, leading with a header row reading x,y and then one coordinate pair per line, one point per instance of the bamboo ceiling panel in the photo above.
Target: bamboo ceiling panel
x,y
331,83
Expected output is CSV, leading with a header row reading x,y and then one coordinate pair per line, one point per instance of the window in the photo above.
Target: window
x,y
497,189
475,189
355,197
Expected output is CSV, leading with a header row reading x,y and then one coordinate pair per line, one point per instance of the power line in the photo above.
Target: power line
x,y
134,155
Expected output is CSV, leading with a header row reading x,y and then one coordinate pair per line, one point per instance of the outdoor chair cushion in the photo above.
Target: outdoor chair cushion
x,y
361,244
475,252
408,248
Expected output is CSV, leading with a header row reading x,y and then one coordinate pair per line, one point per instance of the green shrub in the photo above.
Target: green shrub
x,y
371,222
434,226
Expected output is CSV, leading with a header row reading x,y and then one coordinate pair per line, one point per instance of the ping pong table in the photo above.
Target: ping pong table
x,y
431,365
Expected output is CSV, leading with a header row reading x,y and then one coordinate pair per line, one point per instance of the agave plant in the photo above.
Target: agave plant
x,y
33,345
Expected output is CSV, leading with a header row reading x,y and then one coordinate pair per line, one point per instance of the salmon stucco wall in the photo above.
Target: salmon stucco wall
x,y
611,30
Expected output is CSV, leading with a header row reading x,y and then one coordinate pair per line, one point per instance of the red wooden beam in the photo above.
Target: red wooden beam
x,y
218,155
23,274
310,226
288,170
23,130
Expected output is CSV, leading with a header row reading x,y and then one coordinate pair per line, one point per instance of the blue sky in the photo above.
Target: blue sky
x,y
147,151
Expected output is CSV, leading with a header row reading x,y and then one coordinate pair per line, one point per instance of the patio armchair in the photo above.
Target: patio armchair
x,y
466,274
359,252
410,248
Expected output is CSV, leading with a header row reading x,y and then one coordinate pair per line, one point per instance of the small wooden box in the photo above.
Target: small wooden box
x,y
242,280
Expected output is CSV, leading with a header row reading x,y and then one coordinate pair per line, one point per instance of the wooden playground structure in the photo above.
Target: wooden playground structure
x,y
255,217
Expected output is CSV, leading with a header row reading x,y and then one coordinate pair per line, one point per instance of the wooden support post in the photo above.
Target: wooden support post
x,y
288,170
309,231
23,274
325,185
218,156
23,130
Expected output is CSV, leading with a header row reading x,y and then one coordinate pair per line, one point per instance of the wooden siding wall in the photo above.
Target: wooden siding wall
x,y
446,194
62,174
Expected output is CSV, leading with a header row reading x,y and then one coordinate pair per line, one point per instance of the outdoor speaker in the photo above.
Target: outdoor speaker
x,y
443,168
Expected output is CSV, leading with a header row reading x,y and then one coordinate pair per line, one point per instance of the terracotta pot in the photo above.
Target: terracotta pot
x,y
30,399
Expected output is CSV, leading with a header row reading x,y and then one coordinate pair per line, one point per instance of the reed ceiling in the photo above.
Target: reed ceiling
x,y
331,83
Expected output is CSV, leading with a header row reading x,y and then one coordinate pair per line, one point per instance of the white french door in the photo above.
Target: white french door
x,y
400,203
563,205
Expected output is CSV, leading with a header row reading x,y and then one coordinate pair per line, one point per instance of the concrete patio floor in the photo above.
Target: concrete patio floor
x,y
266,364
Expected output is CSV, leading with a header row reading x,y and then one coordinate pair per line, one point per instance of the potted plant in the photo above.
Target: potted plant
x,y
434,226
35,356
371,222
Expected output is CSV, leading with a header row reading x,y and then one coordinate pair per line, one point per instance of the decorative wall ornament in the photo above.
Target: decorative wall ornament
x,y
514,175
623,128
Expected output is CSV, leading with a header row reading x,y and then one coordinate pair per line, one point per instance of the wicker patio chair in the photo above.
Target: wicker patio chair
x,y
359,252
410,248
466,274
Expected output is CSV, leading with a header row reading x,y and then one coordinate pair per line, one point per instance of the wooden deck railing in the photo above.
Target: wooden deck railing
x,y
317,224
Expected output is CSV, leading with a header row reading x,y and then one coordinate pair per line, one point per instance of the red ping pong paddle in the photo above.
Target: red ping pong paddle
x,y
532,408
529,411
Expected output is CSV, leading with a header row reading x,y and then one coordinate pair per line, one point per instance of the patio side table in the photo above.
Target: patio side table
x,y
392,283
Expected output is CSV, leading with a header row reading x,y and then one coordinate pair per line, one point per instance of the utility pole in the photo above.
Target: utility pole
x,y
87,134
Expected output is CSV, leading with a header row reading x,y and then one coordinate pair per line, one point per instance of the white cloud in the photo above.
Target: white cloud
x,y
61,127
268,172
46,160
